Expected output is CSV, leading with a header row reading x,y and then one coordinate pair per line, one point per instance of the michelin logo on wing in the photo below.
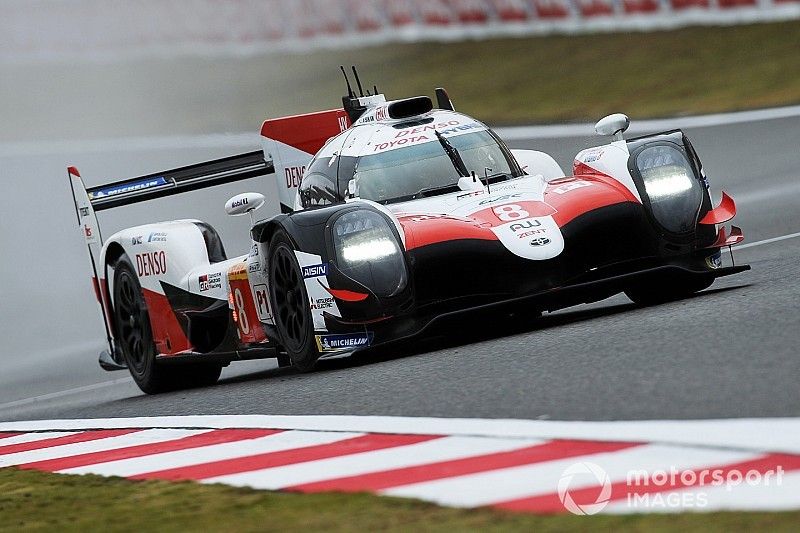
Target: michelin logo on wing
x,y
128,188
328,343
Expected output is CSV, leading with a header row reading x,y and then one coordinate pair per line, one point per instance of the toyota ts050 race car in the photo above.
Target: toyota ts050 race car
x,y
394,215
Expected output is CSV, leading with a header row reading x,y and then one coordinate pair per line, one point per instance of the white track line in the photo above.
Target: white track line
x,y
519,133
767,434
63,393
766,241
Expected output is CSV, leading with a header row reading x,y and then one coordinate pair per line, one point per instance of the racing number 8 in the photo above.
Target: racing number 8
x,y
510,212
244,325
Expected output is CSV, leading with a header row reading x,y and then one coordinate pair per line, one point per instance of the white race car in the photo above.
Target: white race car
x,y
394,215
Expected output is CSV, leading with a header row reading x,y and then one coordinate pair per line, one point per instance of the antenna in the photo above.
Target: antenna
x,y
358,81
350,92
375,88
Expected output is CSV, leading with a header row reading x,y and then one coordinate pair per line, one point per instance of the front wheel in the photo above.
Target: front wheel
x,y
135,338
292,311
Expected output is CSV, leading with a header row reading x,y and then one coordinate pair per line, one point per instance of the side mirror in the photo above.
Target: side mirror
x,y
245,203
615,125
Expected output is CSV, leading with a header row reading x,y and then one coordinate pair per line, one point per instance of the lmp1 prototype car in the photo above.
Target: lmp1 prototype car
x,y
394,215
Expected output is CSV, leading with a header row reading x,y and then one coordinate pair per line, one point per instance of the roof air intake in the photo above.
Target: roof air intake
x,y
410,107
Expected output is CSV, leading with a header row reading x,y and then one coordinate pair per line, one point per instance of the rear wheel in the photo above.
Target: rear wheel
x,y
290,303
666,290
135,339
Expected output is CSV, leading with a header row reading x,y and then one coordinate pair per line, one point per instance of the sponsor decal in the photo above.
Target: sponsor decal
x,y
151,264
401,142
564,189
87,231
533,227
157,236
527,224
240,202
382,113
294,175
429,127
469,195
593,155
531,233
321,303
254,266
540,241
254,250
465,127
84,211
328,343
500,198
262,302
714,261
367,119
315,271
136,240
128,188
342,123
210,281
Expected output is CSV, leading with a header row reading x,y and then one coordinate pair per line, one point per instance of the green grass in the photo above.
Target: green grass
x,y
503,81
36,501
562,78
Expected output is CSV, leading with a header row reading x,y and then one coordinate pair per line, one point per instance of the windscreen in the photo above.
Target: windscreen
x,y
424,169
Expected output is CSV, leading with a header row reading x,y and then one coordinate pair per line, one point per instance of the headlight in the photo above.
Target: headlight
x,y
367,251
669,183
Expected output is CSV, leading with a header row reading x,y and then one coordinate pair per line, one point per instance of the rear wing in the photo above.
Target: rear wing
x,y
179,180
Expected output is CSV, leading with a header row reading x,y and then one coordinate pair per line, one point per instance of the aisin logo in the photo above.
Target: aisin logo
x,y
582,476
541,241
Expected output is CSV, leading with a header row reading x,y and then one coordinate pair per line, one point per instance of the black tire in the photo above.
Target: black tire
x,y
290,304
661,291
135,338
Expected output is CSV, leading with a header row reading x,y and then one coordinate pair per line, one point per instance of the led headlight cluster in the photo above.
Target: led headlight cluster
x,y
674,192
368,252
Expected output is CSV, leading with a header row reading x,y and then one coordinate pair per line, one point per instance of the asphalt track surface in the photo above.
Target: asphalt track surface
x,y
730,351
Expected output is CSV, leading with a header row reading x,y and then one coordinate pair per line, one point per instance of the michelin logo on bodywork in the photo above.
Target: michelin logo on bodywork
x,y
330,343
